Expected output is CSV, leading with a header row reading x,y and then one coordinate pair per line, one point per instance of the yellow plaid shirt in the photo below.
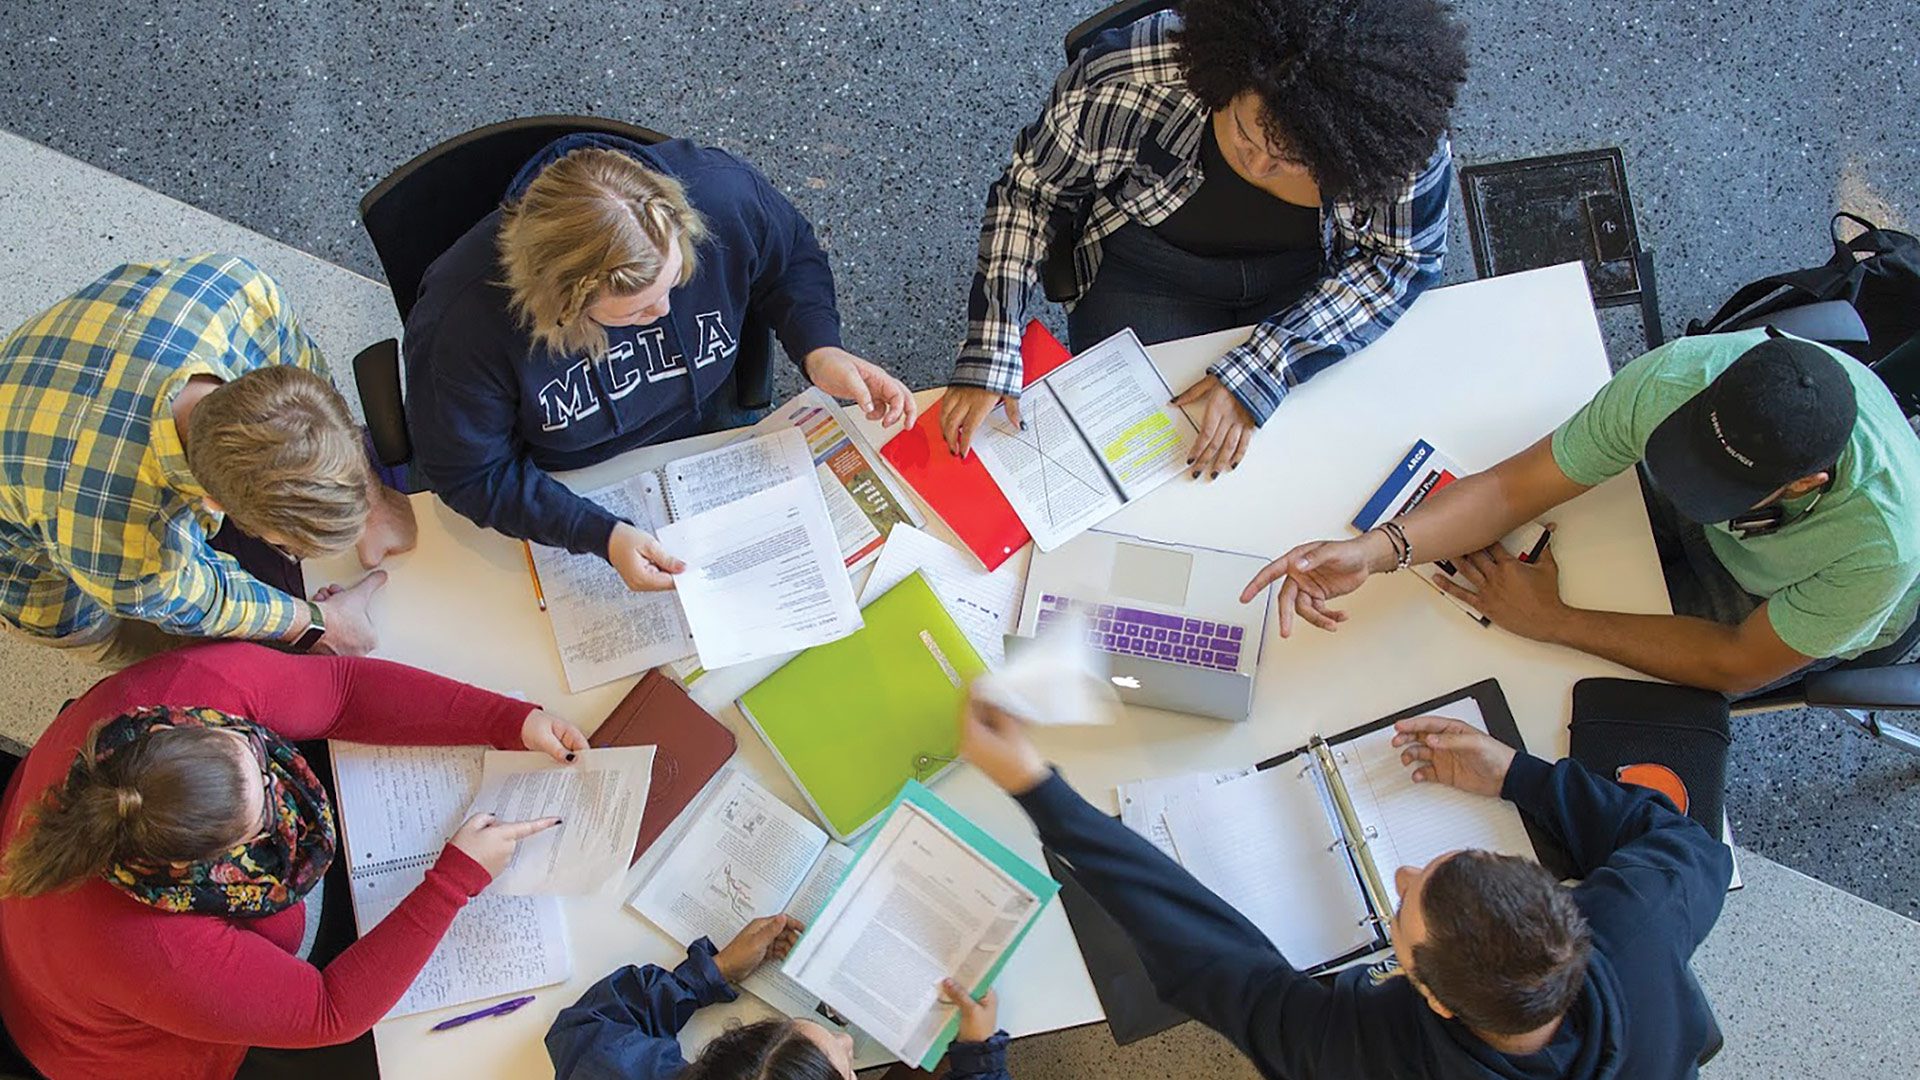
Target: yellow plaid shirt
x,y
99,516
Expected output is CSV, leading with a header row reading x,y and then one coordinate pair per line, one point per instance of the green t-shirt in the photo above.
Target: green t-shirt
x,y
1842,575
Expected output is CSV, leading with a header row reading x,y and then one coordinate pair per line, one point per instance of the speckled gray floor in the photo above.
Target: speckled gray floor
x,y
1848,1000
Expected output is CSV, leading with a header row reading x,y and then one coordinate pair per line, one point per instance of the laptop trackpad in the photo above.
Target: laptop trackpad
x,y
1155,575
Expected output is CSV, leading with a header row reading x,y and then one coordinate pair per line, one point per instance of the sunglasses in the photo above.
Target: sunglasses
x,y
267,783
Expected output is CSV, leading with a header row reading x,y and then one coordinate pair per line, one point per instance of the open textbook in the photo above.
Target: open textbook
x,y
744,854
861,498
604,630
397,806
1306,845
930,896
599,799
1094,435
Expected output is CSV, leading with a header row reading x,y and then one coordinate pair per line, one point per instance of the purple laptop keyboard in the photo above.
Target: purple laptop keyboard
x,y
1126,631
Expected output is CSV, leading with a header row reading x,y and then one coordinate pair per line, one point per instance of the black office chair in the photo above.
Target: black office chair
x,y
417,213
13,1066
1069,222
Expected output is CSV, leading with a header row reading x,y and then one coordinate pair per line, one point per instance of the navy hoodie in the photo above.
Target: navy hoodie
x,y
491,414
1653,884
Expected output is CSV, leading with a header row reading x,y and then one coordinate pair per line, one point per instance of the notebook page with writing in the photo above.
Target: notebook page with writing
x,y
1414,823
398,804
496,945
1264,844
702,482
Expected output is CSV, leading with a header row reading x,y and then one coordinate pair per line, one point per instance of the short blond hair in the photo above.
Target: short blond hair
x,y
593,224
280,452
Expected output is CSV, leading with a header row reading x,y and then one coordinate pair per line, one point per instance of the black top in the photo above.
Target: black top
x,y
1229,217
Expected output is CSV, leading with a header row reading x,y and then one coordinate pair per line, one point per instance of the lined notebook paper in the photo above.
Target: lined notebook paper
x,y
397,807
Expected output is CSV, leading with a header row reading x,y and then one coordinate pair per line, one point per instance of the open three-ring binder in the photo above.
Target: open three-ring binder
x,y
1306,846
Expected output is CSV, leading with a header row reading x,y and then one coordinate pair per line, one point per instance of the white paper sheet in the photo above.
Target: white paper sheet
x,y
1143,803
1264,844
986,606
770,982
702,482
1058,680
918,907
1048,472
763,575
1414,823
744,855
1126,412
603,629
599,798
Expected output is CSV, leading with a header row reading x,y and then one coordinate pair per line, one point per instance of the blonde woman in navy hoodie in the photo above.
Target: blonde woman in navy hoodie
x,y
600,309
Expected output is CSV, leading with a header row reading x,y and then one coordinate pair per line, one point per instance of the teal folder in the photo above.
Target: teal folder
x,y
852,720
1030,877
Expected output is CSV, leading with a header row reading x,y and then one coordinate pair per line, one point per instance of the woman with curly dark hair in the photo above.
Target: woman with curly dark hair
x,y
1282,163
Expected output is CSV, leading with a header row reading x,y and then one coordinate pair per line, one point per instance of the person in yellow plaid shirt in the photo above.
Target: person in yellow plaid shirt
x,y
140,413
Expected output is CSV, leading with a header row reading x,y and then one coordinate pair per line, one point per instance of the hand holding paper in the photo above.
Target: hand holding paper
x,y
599,799
1058,680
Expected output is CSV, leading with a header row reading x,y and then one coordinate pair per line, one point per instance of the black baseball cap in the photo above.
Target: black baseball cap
x,y
1785,409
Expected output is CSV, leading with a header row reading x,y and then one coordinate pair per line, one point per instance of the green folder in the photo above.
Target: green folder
x,y
854,719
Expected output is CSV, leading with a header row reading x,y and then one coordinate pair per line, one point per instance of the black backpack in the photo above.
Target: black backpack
x,y
1878,272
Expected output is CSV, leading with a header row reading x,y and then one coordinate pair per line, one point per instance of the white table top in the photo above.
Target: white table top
x,y
1479,370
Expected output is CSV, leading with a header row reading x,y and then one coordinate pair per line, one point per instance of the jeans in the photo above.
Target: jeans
x,y
1164,292
1703,588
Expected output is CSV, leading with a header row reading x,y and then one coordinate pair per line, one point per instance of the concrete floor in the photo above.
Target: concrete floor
x,y
1847,1002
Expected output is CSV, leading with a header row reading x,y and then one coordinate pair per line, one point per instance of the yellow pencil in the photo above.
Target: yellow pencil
x,y
533,571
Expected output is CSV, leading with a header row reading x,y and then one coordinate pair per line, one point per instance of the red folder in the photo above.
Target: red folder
x,y
961,491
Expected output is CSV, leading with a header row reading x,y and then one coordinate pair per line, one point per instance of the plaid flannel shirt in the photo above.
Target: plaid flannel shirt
x,y
1121,137
99,515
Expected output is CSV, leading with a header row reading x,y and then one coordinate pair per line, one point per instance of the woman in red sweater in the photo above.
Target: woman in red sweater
x,y
160,837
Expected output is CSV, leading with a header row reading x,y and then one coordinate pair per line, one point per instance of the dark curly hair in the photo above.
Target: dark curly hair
x,y
768,1050
1358,91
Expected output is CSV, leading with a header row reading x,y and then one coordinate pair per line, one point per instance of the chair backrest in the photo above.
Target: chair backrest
x,y
1900,370
1120,14
415,215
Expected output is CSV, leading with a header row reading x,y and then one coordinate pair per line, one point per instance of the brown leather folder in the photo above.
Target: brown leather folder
x,y
690,747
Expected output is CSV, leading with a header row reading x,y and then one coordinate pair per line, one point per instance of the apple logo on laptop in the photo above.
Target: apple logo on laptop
x,y
1126,682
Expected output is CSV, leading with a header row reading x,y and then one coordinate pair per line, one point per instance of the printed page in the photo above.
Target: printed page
x,y
598,798
496,945
1126,411
862,502
401,803
603,629
770,982
1143,803
763,575
986,606
745,854
917,907
1411,824
1047,471
1263,843
697,484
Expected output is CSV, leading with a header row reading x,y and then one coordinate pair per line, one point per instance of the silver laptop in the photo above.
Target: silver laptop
x,y
1167,616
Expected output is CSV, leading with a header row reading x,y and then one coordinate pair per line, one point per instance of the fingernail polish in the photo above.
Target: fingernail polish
x,y
570,757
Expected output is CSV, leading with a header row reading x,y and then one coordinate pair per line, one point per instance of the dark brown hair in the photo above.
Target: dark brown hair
x,y
176,794
768,1050
1506,947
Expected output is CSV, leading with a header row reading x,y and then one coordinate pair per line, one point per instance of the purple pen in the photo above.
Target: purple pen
x,y
501,1009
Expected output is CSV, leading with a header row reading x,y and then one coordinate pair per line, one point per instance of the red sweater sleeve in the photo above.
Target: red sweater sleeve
x,y
321,697
214,981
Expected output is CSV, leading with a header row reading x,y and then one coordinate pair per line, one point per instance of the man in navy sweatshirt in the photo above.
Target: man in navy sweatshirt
x,y
600,309
1498,971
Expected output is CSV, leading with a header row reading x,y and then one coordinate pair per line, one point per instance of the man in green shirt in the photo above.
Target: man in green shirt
x,y
1788,473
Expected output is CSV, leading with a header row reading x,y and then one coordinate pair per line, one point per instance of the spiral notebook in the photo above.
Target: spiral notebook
x,y
397,806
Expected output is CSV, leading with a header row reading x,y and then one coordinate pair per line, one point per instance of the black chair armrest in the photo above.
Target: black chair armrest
x,y
376,371
753,367
1895,686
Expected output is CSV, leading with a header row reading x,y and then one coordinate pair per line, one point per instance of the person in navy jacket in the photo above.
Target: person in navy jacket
x,y
600,309
1498,971
625,1027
